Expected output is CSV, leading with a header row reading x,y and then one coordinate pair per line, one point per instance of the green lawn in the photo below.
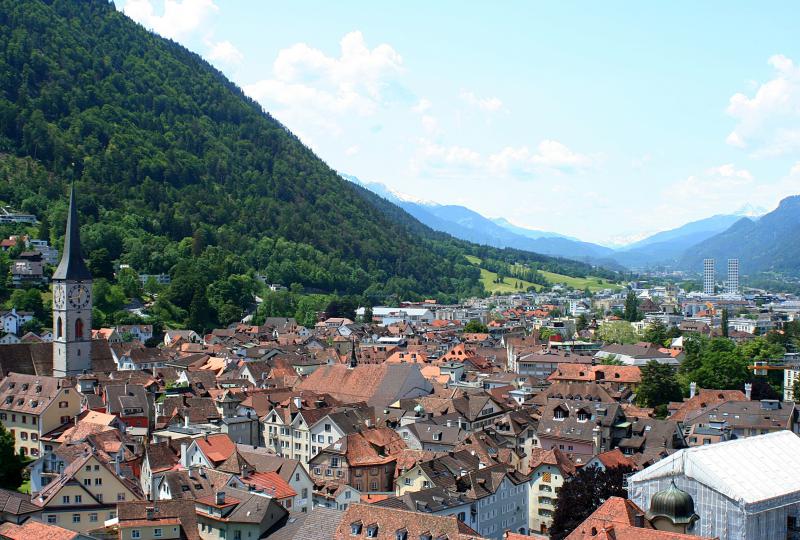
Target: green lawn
x,y
593,283
504,288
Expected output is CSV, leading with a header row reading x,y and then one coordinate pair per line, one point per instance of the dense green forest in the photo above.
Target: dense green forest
x,y
179,172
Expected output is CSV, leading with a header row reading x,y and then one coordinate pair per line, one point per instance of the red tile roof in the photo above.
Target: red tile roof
x,y
35,529
272,483
217,447
703,399
621,519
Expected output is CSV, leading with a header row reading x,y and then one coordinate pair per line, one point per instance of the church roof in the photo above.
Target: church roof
x,y
72,266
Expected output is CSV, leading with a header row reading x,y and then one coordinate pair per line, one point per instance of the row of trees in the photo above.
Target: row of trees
x,y
711,363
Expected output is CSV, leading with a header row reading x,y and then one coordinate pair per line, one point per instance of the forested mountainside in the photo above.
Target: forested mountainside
x,y
769,244
177,171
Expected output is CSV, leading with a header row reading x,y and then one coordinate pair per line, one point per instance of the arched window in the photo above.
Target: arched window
x,y
59,328
79,329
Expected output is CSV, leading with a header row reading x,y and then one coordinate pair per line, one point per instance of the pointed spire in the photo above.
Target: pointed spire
x,y
72,266
353,358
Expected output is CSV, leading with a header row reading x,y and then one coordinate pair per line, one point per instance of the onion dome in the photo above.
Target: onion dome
x,y
673,504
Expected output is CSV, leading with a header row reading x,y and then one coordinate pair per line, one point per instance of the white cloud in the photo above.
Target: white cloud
x,y
179,18
520,162
353,150
556,155
225,51
549,154
358,80
739,176
717,190
795,169
450,155
768,120
430,124
422,106
489,104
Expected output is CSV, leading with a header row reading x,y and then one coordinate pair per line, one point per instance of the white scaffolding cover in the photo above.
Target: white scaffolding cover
x,y
755,471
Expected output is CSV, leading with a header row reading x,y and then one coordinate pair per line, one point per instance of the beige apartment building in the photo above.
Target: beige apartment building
x,y
31,406
85,495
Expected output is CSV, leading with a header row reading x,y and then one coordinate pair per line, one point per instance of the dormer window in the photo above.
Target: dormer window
x,y
583,416
24,387
355,528
426,536
560,413
401,534
372,531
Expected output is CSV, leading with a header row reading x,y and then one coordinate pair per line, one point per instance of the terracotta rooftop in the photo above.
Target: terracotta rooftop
x,y
35,529
271,483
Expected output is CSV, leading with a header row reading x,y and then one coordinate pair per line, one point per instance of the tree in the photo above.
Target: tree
x,y
100,264
11,463
151,286
796,391
128,279
200,315
582,494
611,361
475,327
631,312
724,322
29,300
546,333
581,323
617,332
714,363
659,385
367,315
655,332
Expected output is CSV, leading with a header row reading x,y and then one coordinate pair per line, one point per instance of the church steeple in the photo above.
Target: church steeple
x,y
72,265
72,304
353,358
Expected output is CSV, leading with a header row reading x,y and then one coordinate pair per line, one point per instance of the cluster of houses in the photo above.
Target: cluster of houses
x,y
403,427
266,430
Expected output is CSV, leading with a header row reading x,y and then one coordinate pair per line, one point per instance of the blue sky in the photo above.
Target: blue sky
x,y
602,121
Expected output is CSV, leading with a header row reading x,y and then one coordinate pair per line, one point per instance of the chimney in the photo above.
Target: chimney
x,y
150,513
748,391
220,499
184,456
596,440
245,472
692,389
449,422
185,419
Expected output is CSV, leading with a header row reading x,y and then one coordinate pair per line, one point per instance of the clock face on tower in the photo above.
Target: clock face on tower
x,y
78,296
59,296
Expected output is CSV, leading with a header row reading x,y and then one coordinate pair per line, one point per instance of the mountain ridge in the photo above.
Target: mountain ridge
x,y
178,171
770,243
467,224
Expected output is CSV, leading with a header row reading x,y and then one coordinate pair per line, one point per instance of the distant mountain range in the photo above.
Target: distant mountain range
x,y
667,247
756,241
467,224
769,244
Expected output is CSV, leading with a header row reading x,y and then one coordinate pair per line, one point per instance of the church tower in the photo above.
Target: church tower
x,y
72,304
